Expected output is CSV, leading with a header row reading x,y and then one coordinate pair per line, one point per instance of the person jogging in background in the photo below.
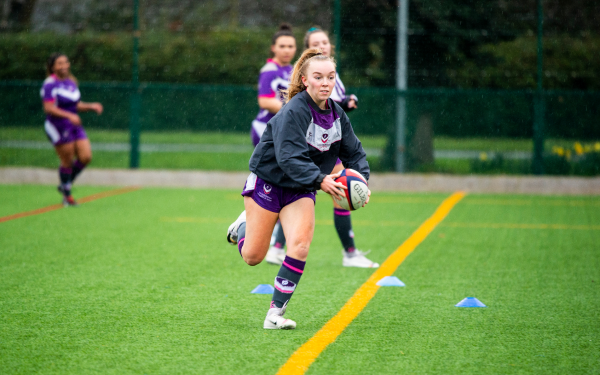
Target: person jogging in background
x,y
274,77
351,257
61,103
293,160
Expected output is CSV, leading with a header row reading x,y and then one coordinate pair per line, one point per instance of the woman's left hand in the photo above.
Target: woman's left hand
x,y
368,197
333,188
352,104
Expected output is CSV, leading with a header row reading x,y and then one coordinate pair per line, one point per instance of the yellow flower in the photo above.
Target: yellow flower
x,y
558,150
597,146
483,156
578,148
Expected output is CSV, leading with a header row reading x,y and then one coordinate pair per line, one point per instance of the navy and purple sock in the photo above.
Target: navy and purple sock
x,y
286,281
64,174
78,166
343,226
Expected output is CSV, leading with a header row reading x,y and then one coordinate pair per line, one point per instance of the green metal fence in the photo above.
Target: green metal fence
x,y
461,115
229,108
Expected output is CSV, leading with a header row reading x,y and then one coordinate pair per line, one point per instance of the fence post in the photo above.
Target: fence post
x,y
134,122
401,84
337,28
539,99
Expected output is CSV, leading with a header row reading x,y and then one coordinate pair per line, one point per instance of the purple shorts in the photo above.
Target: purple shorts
x,y
60,134
258,128
272,197
254,137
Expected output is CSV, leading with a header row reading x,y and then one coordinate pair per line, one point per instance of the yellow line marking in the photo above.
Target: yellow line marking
x,y
213,220
301,360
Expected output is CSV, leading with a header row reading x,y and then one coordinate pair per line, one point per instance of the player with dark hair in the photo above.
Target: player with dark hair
x,y
61,102
293,160
317,38
274,77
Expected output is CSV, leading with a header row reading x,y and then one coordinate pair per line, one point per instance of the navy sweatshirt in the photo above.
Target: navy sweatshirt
x,y
302,143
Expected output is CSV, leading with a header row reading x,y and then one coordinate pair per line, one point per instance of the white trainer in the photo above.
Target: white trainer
x,y
275,319
232,231
275,256
358,259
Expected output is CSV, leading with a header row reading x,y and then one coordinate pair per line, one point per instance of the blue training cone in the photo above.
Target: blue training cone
x,y
263,289
390,281
470,302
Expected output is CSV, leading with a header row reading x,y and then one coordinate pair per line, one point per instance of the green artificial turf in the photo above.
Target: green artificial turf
x,y
239,161
541,286
104,159
242,138
22,198
223,161
144,283
156,137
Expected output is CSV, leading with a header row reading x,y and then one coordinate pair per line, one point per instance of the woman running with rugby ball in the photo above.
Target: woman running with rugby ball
x,y
293,159
61,101
273,79
352,257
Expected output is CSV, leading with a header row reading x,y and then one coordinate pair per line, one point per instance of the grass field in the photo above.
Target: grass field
x,y
144,283
440,142
238,161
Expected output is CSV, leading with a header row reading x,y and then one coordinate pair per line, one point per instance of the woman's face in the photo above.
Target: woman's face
x,y
319,80
284,49
320,40
61,67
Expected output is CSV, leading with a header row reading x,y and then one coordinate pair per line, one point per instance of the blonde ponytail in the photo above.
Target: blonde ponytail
x,y
296,86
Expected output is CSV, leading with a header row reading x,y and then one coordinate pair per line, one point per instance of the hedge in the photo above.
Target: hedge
x,y
217,57
234,56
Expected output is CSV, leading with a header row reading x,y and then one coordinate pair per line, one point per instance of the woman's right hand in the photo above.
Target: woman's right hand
x,y
75,119
331,187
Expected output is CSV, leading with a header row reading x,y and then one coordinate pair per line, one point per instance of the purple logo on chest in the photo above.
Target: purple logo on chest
x,y
325,137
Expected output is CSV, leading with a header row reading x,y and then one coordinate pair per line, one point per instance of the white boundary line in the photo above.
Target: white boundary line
x,y
378,182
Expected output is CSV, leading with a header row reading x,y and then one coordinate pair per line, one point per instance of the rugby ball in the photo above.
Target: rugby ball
x,y
355,196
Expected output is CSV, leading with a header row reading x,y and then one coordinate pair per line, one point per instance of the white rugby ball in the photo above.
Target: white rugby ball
x,y
355,196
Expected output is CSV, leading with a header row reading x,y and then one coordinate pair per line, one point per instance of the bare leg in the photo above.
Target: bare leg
x,y
259,227
66,153
83,150
298,222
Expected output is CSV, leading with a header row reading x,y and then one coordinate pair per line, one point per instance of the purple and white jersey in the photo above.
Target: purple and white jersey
x,y
339,91
64,93
272,80
324,129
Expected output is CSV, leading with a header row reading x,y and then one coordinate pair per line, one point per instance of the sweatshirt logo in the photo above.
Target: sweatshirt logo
x,y
322,138
267,188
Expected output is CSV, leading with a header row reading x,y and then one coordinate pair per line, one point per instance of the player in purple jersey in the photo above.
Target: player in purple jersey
x,y
61,101
293,160
273,79
318,38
